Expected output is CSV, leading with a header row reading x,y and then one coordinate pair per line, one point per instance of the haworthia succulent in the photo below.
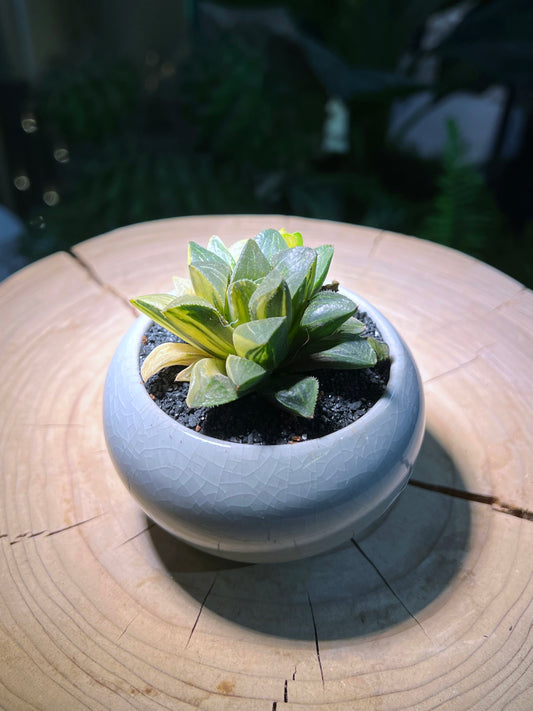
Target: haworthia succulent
x,y
252,316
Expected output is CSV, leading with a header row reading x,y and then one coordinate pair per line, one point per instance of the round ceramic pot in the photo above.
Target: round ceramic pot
x,y
257,503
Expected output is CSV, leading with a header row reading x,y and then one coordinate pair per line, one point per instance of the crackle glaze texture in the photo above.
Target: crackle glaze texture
x,y
264,503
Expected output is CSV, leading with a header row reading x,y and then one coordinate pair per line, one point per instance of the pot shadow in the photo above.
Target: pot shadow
x,y
366,586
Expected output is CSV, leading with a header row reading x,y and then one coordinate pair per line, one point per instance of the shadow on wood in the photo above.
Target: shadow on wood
x,y
367,586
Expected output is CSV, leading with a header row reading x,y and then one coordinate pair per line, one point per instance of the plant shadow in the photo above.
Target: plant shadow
x,y
366,586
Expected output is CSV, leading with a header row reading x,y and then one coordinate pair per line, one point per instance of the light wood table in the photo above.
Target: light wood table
x,y
101,609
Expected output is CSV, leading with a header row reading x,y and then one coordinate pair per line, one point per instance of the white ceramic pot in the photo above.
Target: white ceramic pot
x,y
269,503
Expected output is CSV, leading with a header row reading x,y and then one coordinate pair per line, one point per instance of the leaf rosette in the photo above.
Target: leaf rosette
x,y
257,317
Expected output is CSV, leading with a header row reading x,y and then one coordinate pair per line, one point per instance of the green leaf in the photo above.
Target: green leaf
x,y
297,266
191,318
169,354
350,354
351,327
209,385
239,294
217,246
292,239
244,373
210,281
270,242
236,248
324,255
326,312
265,341
154,306
299,398
197,253
252,263
271,298
381,349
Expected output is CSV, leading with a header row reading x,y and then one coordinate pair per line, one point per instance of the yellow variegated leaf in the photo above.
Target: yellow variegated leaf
x,y
210,386
184,375
191,318
168,354
293,239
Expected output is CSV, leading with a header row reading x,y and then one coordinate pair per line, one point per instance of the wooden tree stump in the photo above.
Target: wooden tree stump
x,y
101,609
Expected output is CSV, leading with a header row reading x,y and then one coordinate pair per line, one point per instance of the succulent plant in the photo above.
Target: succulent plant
x,y
257,317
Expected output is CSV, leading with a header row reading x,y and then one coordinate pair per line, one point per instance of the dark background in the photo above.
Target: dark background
x,y
114,112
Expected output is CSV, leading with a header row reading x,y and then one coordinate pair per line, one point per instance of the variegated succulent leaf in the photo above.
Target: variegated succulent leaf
x,y
209,385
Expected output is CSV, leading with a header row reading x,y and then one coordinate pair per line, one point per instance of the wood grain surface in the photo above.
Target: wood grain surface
x,y
101,609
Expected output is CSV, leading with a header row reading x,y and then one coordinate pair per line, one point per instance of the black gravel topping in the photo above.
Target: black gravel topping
x,y
344,396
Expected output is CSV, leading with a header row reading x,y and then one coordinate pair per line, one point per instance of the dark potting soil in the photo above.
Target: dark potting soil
x,y
344,396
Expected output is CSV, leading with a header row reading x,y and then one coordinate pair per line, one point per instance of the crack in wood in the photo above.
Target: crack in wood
x,y
377,241
202,605
317,646
96,278
451,370
389,586
73,525
45,533
128,626
492,501
136,535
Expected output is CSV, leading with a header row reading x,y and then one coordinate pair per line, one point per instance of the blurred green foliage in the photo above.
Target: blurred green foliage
x,y
237,128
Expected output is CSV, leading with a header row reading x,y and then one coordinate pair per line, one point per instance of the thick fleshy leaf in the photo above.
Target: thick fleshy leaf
x,y
217,246
324,255
326,312
185,375
292,239
192,318
270,242
236,248
210,281
209,384
252,263
382,350
168,354
244,373
197,253
299,398
351,327
297,266
271,298
239,294
182,286
350,354
265,341
154,306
